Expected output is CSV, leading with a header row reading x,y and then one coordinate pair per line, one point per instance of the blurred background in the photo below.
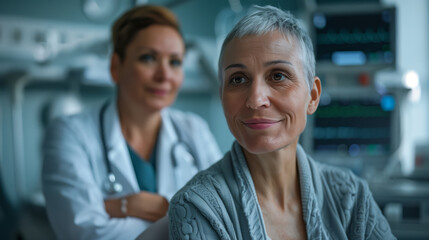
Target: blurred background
x,y
372,57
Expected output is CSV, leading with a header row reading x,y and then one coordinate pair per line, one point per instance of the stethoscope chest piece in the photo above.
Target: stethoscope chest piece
x,y
111,186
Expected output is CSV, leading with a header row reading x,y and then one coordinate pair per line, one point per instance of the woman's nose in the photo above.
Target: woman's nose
x,y
163,71
258,95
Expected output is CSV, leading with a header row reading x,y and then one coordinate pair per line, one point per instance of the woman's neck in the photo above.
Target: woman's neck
x,y
139,127
275,176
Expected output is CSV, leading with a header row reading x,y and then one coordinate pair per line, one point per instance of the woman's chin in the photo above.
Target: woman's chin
x,y
158,105
266,146
258,148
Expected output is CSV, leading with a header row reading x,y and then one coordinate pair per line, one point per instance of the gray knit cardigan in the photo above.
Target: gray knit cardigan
x,y
221,203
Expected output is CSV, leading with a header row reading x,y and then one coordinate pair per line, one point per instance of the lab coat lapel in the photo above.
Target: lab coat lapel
x,y
166,183
117,150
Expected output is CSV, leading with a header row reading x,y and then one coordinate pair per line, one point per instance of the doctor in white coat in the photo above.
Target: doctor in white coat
x,y
110,172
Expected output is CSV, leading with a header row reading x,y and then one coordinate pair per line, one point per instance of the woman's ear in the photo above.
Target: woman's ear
x,y
315,93
115,61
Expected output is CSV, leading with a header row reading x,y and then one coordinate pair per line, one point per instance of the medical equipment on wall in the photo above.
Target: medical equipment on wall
x,y
358,38
357,123
182,154
358,129
364,112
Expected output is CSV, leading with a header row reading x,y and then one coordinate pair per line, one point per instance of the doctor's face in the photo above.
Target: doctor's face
x,y
151,73
264,92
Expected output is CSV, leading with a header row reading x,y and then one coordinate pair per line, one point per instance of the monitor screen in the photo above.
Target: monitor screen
x,y
355,127
347,38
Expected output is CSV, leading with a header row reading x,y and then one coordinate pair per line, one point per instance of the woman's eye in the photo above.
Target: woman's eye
x,y
278,77
176,62
147,58
237,80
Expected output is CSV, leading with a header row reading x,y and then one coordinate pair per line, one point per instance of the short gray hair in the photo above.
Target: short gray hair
x,y
268,19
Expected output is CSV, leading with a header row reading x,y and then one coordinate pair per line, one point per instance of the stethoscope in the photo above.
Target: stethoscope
x,y
183,149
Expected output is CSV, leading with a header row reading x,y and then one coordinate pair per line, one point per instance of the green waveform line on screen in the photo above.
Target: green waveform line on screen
x,y
337,111
353,37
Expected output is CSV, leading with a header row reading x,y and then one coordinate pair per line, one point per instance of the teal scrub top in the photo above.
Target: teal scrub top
x,y
145,170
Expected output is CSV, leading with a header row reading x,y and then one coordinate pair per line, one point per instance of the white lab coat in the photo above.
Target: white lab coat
x,y
74,170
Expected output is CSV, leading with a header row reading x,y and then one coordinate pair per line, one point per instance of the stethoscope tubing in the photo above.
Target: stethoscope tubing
x,y
103,139
112,186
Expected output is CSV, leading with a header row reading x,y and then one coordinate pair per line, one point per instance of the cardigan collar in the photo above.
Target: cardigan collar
x,y
251,207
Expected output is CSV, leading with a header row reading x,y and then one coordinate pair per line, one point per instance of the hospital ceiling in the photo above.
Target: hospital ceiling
x,y
197,16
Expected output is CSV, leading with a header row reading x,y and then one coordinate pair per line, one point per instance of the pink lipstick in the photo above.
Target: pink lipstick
x,y
159,92
259,124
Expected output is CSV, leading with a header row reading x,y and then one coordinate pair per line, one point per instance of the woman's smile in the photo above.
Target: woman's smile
x,y
158,91
260,123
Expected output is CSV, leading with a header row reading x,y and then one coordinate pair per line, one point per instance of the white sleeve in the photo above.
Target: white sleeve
x,y
74,201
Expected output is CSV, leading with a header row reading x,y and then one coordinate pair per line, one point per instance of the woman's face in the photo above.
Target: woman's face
x,y
151,73
264,91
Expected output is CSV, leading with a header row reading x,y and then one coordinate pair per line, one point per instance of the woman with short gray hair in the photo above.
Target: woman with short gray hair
x,y
267,187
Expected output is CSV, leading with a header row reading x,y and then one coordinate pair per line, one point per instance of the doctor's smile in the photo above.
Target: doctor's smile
x,y
158,92
260,123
